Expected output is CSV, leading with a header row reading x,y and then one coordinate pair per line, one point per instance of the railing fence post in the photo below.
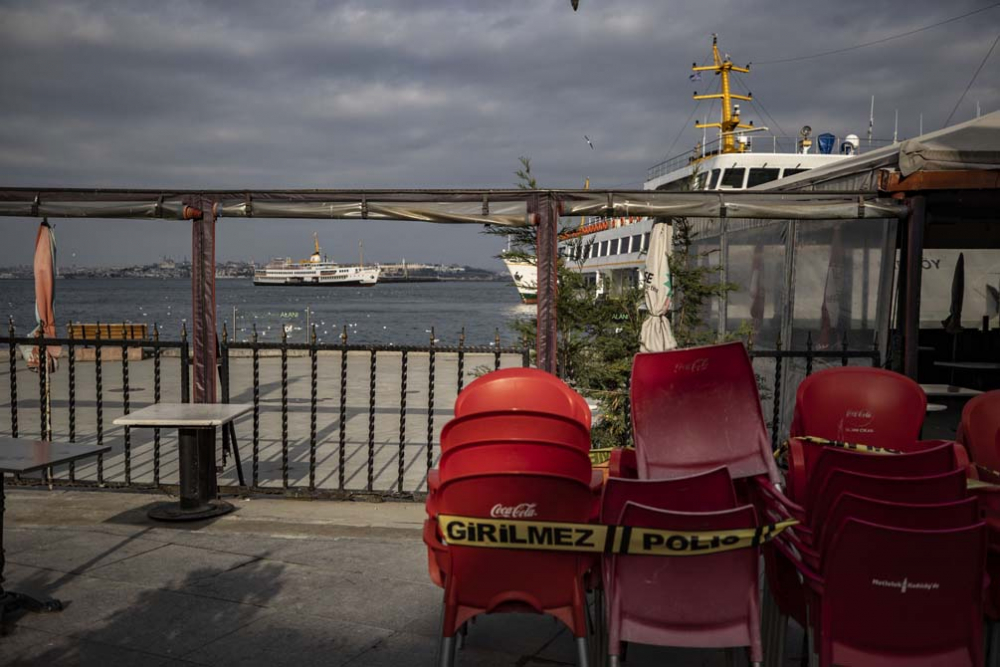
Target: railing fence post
x,y
430,403
402,423
313,395
284,408
12,361
156,399
71,351
255,352
342,447
125,406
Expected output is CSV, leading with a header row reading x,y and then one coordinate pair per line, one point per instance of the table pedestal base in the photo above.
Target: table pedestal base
x,y
198,486
11,604
175,512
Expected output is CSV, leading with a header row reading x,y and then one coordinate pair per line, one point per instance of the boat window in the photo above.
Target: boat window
x,y
702,179
645,241
626,242
614,247
637,243
759,175
604,249
792,172
733,178
714,181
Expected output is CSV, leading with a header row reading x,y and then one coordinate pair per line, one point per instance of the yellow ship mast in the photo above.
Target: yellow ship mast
x,y
316,242
730,116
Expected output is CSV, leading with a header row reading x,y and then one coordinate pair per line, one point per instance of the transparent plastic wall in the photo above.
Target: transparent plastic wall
x,y
755,264
706,248
840,292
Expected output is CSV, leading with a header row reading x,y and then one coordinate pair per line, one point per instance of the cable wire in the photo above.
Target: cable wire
x,y
972,80
881,40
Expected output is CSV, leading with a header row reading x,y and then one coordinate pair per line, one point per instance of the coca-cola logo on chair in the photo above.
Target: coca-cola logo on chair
x,y
521,511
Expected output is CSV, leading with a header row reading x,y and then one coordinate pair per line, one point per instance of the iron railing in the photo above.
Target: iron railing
x,y
379,384
384,383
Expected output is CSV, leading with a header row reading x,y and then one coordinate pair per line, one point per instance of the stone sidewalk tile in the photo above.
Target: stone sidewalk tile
x,y
380,602
63,650
82,552
403,648
290,639
402,559
171,565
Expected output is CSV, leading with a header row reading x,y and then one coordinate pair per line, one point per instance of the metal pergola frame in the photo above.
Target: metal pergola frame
x,y
542,209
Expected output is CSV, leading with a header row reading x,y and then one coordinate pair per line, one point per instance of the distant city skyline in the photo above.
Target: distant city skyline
x,y
440,93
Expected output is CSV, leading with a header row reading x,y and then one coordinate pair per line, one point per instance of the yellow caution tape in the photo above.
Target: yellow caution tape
x,y
467,531
979,484
602,455
782,451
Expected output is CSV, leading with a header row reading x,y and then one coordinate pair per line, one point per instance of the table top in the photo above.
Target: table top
x,y
945,390
970,365
23,455
185,415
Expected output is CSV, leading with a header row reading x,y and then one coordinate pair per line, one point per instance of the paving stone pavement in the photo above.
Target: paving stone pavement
x,y
278,582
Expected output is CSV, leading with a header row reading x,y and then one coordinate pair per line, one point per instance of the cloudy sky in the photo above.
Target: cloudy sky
x,y
429,94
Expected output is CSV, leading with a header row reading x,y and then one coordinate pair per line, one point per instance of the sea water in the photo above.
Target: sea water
x,y
397,313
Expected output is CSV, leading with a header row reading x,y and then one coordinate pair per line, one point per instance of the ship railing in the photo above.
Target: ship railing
x,y
330,419
756,143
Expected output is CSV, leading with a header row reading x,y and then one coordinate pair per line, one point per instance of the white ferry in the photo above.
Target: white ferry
x,y
318,270
525,276
611,251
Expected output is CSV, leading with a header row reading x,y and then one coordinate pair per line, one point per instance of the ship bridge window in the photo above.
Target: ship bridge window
x,y
733,178
701,180
604,249
637,243
625,243
614,247
792,172
760,175
714,181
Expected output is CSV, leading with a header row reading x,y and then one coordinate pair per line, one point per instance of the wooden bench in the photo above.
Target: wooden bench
x,y
81,331
109,333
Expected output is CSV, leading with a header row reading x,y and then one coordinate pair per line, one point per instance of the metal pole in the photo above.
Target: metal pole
x,y
546,210
914,268
203,301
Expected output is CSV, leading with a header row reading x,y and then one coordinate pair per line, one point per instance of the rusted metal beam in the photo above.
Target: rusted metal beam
x,y
916,222
546,211
959,179
203,301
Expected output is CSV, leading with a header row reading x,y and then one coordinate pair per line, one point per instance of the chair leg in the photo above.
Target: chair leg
x,y
236,454
614,661
582,659
992,635
462,634
447,651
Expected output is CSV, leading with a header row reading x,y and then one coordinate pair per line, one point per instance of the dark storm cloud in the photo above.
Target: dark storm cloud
x,y
445,93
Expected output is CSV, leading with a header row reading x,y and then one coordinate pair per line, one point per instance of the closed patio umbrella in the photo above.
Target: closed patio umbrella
x,y
45,293
656,335
953,323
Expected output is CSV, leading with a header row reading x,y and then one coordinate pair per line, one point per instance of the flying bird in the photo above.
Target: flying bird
x,y
589,142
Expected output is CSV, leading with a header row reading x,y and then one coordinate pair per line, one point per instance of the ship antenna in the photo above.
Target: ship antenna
x,y
730,121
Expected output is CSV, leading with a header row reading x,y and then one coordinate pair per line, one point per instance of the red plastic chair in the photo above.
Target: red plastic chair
x,y
529,426
810,464
515,456
697,409
701,601
515,389
979,428
896,596
926,516
481,581
705,492
871,406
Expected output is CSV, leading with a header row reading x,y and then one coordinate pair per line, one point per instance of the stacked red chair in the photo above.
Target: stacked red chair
x,y
516,449
979,431
706,601
901,513
697,421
